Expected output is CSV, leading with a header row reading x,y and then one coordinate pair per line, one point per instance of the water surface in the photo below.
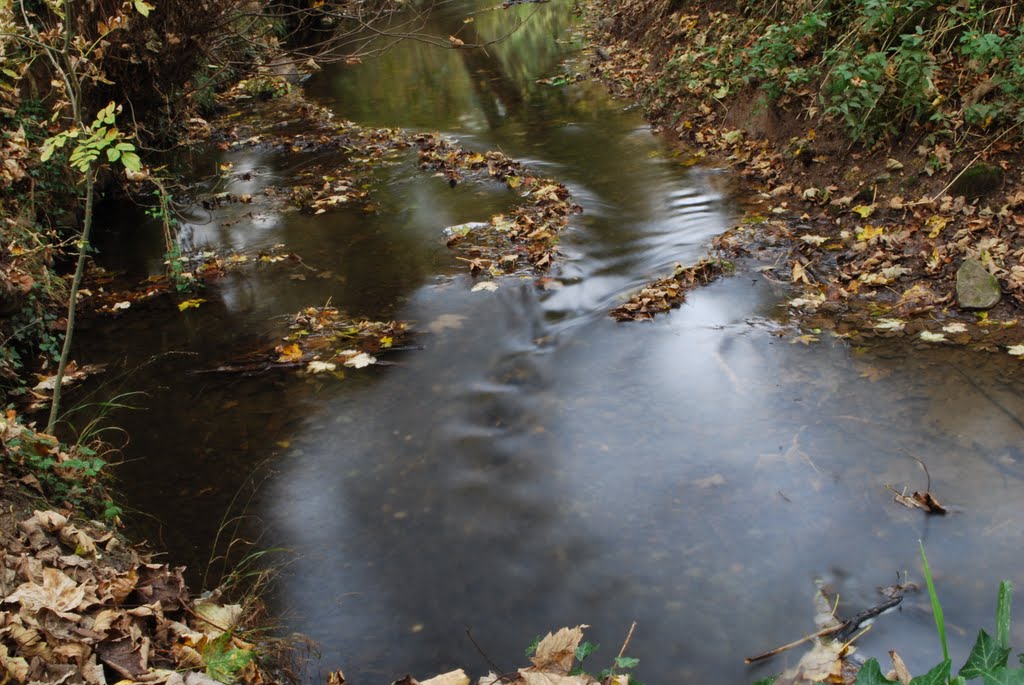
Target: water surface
x,y
536,464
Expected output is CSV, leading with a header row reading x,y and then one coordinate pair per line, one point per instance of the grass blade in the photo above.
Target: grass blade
x,y
1003,614
940,621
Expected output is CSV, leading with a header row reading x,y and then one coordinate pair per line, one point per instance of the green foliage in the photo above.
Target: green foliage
x,y
102,136
223,660
870,64
940,623
74,474
988,658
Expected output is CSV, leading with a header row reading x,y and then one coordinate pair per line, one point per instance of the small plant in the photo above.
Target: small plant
x,y
988,660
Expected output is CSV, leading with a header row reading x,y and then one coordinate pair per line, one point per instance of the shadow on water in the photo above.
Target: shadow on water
x,y
537,464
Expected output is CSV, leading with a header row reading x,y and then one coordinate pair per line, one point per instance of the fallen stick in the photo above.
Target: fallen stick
x,y
842,631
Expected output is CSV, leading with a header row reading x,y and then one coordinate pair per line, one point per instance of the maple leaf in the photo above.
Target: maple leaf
x,y
1016,350
360,361
557,651
290,353
58,593
928,336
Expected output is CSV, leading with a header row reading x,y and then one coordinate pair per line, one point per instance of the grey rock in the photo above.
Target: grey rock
x,y
976,288
978,180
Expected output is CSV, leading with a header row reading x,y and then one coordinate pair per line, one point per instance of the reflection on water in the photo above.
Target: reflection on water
x,y
537,464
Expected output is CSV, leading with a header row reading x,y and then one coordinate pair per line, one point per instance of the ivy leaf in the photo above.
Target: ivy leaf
x,y
937,676
1005,676
986,657
143,7
626,662
871,674
585,649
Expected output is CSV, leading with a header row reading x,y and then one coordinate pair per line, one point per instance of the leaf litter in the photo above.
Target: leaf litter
x,y
79,607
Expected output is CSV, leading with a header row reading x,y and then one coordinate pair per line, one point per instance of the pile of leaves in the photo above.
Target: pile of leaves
x,y
531,229
877,221
323,341
106,292
667,293
78,607
557,659
528,233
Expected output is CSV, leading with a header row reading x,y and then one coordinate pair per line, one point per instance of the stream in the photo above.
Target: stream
x,y
537,464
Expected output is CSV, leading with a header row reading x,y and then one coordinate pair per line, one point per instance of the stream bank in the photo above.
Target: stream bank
x,y
530,462
896,225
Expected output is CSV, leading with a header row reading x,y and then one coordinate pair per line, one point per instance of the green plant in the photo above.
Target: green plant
x,y
988,660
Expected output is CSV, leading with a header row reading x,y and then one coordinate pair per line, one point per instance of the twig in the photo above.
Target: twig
x,y
625,645
842,631
488,659
795,643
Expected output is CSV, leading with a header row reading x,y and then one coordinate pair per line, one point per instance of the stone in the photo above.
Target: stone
x,y
976,288
978,180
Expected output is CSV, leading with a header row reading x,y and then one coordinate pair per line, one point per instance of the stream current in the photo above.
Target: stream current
x,y
537,464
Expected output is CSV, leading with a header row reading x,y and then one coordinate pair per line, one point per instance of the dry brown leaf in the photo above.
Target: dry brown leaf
x,y
530,677
456,677
557,651
902,674
58,593
215,619
823,662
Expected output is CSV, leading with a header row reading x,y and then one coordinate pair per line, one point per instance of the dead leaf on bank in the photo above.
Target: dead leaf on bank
x,y
902,674
557,651
799,274
57,593
822,664
217,619
456,677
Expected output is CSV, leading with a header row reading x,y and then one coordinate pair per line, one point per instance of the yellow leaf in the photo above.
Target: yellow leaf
x,y
868,232
387,341
864,210
935,224
290,353
190,304
514,181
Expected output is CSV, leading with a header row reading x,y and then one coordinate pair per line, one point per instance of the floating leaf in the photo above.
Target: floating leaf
x,y
190,304
290,353
928,336
360,361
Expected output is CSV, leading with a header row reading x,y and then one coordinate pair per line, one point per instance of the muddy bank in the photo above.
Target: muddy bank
x,y
883,235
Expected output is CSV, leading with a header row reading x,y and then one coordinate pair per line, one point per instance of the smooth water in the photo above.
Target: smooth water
x,y
536,464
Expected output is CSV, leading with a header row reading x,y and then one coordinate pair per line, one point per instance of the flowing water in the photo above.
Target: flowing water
x,y
536,464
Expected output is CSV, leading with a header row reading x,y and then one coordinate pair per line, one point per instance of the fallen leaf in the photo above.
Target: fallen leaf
x,y
484,285
890,325
1016,350
57,593
290,353
557,651
955,327
456,677
360,361
928,336
190,304
320,367
864,211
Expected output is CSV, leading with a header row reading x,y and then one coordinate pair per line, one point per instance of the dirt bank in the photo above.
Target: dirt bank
x,y
879,221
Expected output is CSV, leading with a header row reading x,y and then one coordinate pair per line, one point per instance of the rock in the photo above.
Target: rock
x,y
976,288
978,180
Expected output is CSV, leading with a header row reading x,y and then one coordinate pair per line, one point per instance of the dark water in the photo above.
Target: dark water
x,y
537,464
